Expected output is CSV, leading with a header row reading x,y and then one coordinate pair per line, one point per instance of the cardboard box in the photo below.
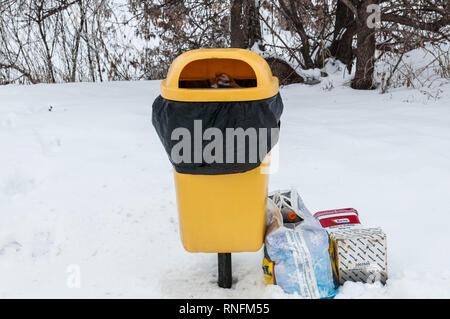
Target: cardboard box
x,y
360,254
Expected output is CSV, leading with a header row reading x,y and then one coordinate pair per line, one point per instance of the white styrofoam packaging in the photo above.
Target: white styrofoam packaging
x,y
360,254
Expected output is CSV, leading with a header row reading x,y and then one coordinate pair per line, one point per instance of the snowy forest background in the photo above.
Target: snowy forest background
x,y
48,41
85,184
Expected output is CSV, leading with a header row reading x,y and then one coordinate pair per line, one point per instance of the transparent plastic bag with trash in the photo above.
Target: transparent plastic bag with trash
x,y
297,250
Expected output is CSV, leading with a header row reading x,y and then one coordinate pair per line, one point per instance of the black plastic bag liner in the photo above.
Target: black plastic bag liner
x,y
261,114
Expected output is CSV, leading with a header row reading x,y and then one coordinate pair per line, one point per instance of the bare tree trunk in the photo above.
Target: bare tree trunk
x,y
365,53
344,29
237,25
89,53
77,43
97,47
245,25
48,54
253,23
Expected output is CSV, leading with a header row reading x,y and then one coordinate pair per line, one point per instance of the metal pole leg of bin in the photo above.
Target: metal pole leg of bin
x,y
225,276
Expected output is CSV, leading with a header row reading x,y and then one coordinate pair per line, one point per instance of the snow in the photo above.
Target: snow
x,y
85,184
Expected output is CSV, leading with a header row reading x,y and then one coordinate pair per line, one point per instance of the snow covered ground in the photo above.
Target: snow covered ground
x,y
86,186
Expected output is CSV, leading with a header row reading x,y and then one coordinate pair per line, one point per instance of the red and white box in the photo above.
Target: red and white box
x,y
338,218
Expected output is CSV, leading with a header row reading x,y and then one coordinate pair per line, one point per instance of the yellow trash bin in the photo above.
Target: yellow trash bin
x,y
221,204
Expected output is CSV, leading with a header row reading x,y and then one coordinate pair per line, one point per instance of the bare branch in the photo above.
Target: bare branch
x,y
432,26
21,70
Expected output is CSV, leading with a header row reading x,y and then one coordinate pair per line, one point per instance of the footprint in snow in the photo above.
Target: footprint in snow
x,y
18,184
42,244
49,144
9,121
12,246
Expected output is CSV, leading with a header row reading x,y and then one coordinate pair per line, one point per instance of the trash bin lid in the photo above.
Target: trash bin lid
x,y
204,64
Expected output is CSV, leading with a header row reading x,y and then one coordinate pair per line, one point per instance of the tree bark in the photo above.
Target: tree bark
x,y
245,26
253,23
237,32
365,52
42,33
76,48
344,29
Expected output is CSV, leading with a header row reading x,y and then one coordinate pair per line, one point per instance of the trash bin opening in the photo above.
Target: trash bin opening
x,y
217,74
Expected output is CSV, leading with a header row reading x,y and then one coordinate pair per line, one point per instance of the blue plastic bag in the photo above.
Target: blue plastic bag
x,y
297,256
